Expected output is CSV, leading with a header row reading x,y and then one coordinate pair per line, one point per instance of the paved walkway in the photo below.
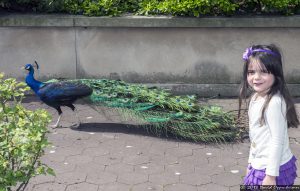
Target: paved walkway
x,y
106,155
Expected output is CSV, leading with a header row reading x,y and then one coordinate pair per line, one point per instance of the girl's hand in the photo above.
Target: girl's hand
x,y
247,171
269,180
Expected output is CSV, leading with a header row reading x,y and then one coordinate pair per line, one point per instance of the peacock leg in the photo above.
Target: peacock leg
x,y
59,117
57,123
78,119
76,125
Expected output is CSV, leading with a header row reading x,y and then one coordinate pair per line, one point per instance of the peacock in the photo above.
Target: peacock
x,y
57,94
155,109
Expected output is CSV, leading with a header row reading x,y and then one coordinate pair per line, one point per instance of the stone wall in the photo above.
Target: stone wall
x,y
187,55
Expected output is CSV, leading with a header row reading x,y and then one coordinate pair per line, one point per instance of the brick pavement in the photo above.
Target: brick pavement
x,y
106,155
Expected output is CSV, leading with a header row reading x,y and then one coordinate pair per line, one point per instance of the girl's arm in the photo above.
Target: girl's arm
x,y
275,119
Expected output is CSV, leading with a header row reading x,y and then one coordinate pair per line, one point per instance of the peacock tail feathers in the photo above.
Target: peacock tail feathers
x,y
162,113
114,93
199,128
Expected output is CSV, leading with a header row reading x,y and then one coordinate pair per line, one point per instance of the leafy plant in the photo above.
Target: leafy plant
x,y
22,137
194,8
283,7
108,7
188,7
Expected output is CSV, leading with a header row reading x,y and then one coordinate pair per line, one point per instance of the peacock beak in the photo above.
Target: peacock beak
x,y
23,68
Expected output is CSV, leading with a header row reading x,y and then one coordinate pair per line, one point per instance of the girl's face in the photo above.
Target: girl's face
x,y
258,77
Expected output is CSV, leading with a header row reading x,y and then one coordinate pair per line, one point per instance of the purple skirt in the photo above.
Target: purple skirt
x,y
287,174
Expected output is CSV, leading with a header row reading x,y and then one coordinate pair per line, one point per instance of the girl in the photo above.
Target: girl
x,y
271,111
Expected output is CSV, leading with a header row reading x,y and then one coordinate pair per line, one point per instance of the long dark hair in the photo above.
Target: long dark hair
x,y
272,60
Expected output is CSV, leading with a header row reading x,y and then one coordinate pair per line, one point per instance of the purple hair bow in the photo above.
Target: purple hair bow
x,y
249,51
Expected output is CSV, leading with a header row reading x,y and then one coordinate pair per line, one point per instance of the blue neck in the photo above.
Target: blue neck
x,y
33,83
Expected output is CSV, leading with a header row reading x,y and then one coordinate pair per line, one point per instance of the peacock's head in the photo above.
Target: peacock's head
x,y
30,67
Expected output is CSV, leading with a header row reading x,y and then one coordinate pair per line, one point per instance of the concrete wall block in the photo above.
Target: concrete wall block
x,y
178,55
52,48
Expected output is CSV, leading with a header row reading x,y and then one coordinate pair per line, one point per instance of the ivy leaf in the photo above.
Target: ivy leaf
x,y
50,171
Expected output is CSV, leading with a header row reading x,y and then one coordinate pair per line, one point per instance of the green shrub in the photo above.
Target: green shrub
x,y
193,8
101,7
283,7
188,7
22,137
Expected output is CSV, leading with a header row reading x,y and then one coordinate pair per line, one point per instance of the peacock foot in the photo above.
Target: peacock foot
x,y
55,126
75,125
